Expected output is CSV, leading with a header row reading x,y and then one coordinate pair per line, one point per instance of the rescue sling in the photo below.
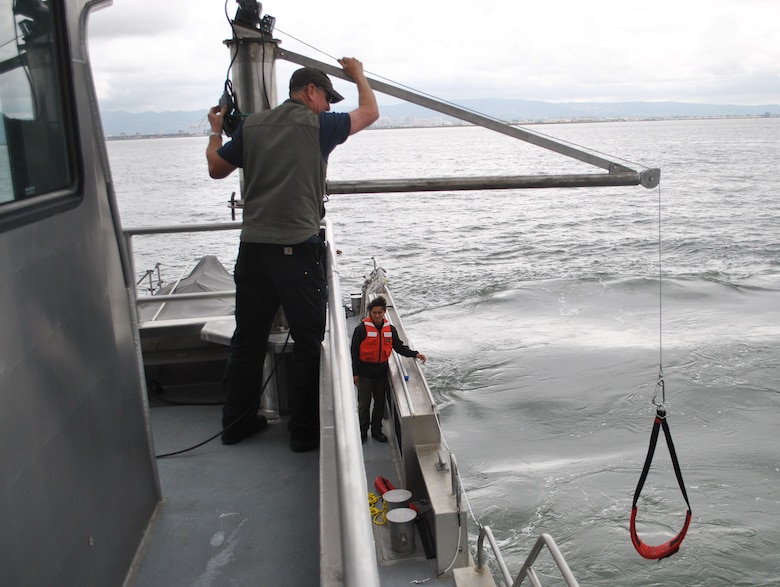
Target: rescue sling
x,y
673,545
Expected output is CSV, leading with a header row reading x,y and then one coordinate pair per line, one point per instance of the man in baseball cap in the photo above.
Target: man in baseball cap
x,y
311,75
283,152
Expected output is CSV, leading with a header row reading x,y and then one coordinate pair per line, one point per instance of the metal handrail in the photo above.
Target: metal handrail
x,y
200,295
176,228
357,541
486,532
528,569
417,367
129,233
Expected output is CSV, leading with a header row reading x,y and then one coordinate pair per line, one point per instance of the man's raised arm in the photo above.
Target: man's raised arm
x,y
367,111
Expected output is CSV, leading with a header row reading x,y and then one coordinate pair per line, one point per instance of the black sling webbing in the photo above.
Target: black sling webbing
x,y
673,545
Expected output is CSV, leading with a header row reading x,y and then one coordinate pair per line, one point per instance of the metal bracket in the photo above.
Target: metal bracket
x,y
650,178
443,463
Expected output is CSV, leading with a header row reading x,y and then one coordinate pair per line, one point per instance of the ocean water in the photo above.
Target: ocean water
x,y
548,317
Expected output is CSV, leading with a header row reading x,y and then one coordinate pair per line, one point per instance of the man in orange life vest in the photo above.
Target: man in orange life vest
x,y
372,342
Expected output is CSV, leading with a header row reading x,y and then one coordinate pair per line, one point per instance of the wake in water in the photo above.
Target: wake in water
x,y
546,392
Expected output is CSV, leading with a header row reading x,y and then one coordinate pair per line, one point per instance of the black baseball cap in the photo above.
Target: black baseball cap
x,y
311,75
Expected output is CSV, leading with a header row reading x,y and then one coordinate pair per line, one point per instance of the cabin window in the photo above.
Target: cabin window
x,y
36,165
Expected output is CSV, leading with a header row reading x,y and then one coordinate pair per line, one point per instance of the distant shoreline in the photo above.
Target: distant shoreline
x,y
448,124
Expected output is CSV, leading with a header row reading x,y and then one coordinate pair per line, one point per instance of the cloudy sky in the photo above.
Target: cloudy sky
x,y
154,55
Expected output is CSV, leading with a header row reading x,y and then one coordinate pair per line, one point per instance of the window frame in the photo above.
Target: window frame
x,y
20,212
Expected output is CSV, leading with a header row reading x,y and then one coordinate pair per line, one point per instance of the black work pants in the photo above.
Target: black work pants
x,y
372,388
267,276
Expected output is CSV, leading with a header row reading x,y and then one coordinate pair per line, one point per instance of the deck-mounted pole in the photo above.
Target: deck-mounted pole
x,y
253,54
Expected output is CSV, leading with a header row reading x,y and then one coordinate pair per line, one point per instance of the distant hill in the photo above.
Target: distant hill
x,y
118,124
531,110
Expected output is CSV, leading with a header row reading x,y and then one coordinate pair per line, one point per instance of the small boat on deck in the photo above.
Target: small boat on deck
x,y
109,399
208,275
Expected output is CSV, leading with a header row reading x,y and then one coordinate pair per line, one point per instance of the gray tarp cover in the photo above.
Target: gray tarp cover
x,y
208,275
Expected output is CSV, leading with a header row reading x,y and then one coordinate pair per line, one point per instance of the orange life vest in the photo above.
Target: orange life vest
x,y
377,345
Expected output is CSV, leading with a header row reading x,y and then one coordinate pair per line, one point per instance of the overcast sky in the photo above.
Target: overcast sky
x,y
162,55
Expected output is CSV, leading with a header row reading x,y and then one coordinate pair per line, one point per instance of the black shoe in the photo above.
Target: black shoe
x,y
304,443
380,436
363,437
237,433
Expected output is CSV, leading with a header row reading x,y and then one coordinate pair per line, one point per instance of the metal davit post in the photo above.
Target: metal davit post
x,y
253,57
253,65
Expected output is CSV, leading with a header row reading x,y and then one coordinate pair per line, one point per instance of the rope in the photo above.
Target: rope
x,y
671,546
379,516
660,300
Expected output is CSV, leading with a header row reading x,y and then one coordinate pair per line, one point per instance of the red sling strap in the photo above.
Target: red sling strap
x,y
673,545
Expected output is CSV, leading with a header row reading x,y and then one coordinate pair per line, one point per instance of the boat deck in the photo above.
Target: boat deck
x,y
249,514
231,515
